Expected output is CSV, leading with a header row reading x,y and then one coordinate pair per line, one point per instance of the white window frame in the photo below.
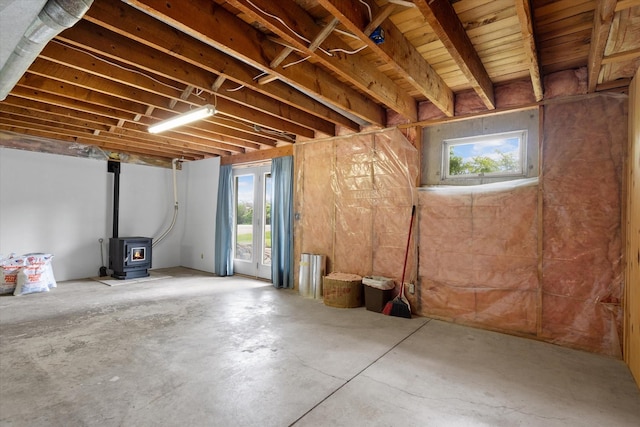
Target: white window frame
x,y
447,143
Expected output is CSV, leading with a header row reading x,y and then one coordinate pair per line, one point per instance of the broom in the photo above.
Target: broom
x,y
399,306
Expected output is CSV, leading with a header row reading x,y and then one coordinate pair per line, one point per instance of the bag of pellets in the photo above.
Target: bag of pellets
x,y
9,268
31,280
35,276
43,260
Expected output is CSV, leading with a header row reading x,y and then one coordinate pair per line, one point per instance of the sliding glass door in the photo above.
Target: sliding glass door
x,y
252,221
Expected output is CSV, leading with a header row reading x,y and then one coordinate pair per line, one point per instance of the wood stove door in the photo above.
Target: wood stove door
x,y
252,221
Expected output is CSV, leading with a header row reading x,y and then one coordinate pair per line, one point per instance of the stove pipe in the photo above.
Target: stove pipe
x,y
114,167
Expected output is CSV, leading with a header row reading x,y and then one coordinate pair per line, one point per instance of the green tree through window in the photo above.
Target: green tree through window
x,y
488,155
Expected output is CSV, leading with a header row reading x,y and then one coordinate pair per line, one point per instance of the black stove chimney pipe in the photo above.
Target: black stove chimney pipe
x,y
114,167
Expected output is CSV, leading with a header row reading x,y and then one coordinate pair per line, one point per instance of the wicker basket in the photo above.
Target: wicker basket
x,y
342,290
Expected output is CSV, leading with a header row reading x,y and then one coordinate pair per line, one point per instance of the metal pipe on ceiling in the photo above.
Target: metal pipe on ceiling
x,y
55,16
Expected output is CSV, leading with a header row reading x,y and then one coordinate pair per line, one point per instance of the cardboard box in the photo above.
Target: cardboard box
x,y
342,290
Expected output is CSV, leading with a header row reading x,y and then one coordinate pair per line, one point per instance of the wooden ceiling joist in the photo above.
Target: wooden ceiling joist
x,y
278,72
443,19
209,23
523,9
396,50
198,64
112,142
130,53
34,87
602,19
297,28
186,93
133,133
315,44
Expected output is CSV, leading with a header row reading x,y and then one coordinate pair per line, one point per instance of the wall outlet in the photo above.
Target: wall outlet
x,y
411,288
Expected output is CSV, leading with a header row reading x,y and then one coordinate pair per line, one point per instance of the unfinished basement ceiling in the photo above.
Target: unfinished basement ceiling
x,y
285,71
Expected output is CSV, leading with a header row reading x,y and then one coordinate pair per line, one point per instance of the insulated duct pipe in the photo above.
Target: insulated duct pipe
x,y
175,205
55,16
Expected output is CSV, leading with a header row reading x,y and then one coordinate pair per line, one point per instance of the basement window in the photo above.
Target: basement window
x,y
495,155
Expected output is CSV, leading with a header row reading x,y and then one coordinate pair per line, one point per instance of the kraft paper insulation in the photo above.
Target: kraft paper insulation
x,y
539,258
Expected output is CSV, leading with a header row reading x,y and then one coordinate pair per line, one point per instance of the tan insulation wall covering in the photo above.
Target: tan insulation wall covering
x,y
540,259
582,182
353,201
480,258
478,255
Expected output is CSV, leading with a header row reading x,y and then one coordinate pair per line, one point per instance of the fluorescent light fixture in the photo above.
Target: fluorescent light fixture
x,y
182,119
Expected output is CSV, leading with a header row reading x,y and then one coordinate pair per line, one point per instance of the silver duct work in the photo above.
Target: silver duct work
x,y
55,16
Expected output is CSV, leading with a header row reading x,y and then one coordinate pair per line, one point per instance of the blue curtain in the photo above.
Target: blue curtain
x,y
282,222
224,223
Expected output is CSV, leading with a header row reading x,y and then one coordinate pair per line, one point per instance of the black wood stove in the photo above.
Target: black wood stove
x,y
129,257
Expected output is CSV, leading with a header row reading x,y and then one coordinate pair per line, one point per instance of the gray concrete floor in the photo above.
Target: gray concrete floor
x,y
196,350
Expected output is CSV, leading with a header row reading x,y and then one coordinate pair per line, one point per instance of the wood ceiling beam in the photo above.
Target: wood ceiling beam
x,y
19,109
208,129
128,84
445,23
602,20
257,156
200,61
41,84
315,44
137,135
210,23
231,129
50,86
30,98
134,99
105,145
34,94
626,4
123,143
110,86
353,68
628,55
58,110
186,93
523,9
44,142
396,51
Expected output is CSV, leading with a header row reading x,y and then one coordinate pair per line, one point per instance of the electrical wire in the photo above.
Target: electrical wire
x,y
132,70
349,52
276,133
296,62
280,20
368,8
229,119
197,93
243,86
235,88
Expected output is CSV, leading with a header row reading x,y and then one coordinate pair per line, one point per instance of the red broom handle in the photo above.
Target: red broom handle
x,y
406,253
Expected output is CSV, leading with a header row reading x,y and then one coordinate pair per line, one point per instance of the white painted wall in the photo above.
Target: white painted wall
x,y
197,246
147,206
62,205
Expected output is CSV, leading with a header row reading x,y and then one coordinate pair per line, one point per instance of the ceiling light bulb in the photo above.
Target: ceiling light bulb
x,y
184,118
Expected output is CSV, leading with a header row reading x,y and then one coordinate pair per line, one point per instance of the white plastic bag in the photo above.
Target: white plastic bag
x,y
35,276
378,282
44,260
9,268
